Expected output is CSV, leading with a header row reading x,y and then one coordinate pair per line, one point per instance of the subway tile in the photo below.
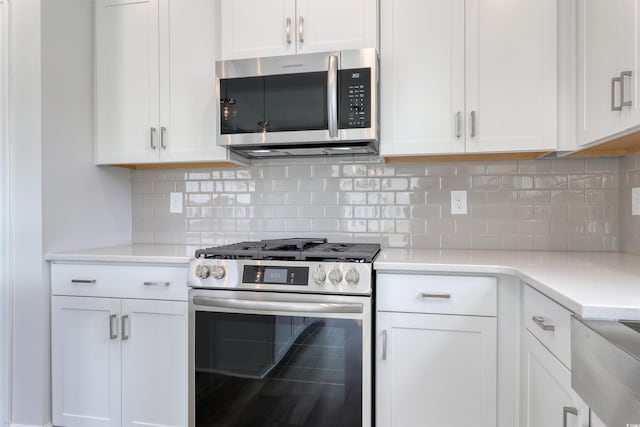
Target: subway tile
x,y
502,168
425,183
586,181
381,226
325,171
486,242
410,198
410,226
568,166
534,167
517,182
426,241
324,198
299,171
410,169
568,196
354,170
382,170
353,225
445,227
395,184
353,198
299,225
456,183
456,242
366,184
603,164
550,181
395,212
486,182
471,226
471,168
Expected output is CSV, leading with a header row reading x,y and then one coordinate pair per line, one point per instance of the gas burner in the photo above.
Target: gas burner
x,y
296,249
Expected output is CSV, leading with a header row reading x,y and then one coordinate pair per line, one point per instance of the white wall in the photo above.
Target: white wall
x,y
62,201
29,360
5,297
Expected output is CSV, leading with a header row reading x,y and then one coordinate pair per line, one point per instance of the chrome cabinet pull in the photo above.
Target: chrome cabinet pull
x,y
163,139
288,30
332,96
113,331
565,412
83,281
301,29
458,124
437,296
539,320
384,345
613,94
125,336
473,124
624,103
157,283
152,138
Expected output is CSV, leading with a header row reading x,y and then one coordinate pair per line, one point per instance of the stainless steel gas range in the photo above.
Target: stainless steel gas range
x,y
280,334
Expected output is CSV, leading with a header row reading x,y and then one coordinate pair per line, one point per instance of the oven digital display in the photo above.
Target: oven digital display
x,y
260,274
275,275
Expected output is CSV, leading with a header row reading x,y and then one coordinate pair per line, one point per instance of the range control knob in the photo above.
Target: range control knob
x,y
218,272
202,271
335,276
319,275
352,277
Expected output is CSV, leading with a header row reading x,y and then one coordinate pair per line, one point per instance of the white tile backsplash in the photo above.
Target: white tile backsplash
x,y
566,204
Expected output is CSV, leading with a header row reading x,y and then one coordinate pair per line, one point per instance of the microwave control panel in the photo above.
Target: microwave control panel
x,y
355,98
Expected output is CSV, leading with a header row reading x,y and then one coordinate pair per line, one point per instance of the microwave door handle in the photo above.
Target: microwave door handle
x,y
332,96
279,306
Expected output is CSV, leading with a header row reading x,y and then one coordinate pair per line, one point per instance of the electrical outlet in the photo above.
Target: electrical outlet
x,y
635,201
175,203
458,203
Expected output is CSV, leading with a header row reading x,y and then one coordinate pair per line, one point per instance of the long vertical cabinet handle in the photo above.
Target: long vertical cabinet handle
x,y
301,29
458,124
113,327
613,94
163,137
565,412
332,96
384,345
623,76
473,124
288,30
152,138
125,335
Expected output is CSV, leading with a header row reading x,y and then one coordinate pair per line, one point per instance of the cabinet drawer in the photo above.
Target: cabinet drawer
x,y
120,281
549,322
413,293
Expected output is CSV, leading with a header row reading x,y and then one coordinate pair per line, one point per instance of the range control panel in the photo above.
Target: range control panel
x,y
355,98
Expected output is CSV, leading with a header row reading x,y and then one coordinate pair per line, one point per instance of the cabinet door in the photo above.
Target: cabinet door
x,y
326,25
154,363
85,361
602,48
127,81
188,96
547,390
422,72
436,370
255,28
511,75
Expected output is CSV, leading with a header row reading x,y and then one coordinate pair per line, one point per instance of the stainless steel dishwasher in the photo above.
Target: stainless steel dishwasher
x,y
605,363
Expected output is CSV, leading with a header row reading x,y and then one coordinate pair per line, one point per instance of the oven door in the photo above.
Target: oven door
x,y
277,359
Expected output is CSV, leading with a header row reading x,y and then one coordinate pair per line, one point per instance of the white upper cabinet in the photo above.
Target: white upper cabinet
x,y
422,69
155,96
127,75
254,28
326,25
608,72
257,28
511,75
461,76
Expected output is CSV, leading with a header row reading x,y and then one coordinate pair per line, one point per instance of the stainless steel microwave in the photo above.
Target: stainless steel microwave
x,y
299,105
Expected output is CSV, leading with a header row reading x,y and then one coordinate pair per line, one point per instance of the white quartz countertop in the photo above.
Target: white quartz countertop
x,y
138,253
592,285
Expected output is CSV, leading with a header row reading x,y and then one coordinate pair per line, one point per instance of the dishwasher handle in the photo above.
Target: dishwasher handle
x,y
279,306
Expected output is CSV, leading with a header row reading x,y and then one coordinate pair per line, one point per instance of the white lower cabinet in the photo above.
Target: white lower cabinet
x,y
434,369
547,397
119,362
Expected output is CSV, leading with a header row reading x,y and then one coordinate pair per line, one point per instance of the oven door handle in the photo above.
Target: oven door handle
x,y
279,306
332,96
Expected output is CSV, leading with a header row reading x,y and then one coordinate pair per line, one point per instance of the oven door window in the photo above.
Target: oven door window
x,y
257,370
279,103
